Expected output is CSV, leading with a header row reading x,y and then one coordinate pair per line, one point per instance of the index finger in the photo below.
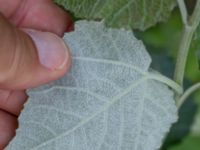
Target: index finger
x,y
41,15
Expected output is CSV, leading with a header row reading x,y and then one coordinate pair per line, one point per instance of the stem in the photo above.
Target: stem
x,y
187,93
163,79
187,35
183,11
183,53
195,18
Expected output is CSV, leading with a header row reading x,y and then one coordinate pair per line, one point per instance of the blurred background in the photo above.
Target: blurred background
x,y
162,43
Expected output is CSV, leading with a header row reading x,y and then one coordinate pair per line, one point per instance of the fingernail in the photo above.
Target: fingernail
x,y
52,51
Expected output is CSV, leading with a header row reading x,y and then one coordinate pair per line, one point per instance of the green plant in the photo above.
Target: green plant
x,y
111,98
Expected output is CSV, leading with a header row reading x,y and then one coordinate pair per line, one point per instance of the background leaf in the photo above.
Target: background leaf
x,y
106,102
137,14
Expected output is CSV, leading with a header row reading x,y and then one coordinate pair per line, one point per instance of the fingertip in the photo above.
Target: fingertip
x,y
63,23
40,57
54,19
54,58
44,75
52,51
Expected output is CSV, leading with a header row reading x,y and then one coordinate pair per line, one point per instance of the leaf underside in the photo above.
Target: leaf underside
x,y
106,102
137,14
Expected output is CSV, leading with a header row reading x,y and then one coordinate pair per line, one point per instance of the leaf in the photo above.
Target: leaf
x,y
159,37
108,100
137,14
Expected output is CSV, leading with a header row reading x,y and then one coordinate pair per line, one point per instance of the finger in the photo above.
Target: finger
x,y
12,101
26,62
8,125
36,14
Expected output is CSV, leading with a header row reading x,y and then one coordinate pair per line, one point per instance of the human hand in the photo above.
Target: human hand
x,y
31,54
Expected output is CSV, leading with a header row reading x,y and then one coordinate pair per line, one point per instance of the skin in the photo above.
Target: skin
x,y
20,66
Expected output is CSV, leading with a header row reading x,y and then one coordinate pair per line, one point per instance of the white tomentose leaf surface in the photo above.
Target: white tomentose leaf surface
x,y
106,102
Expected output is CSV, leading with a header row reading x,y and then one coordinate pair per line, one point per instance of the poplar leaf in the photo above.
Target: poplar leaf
x,y
107,101
137,14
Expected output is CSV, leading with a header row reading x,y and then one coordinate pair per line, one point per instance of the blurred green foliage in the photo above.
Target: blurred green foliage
x,y
189,143
162,42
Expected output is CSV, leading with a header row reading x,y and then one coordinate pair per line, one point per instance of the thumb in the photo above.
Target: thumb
x,y
29,58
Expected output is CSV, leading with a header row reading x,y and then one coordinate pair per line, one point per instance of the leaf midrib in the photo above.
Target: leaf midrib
x,y
110,103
